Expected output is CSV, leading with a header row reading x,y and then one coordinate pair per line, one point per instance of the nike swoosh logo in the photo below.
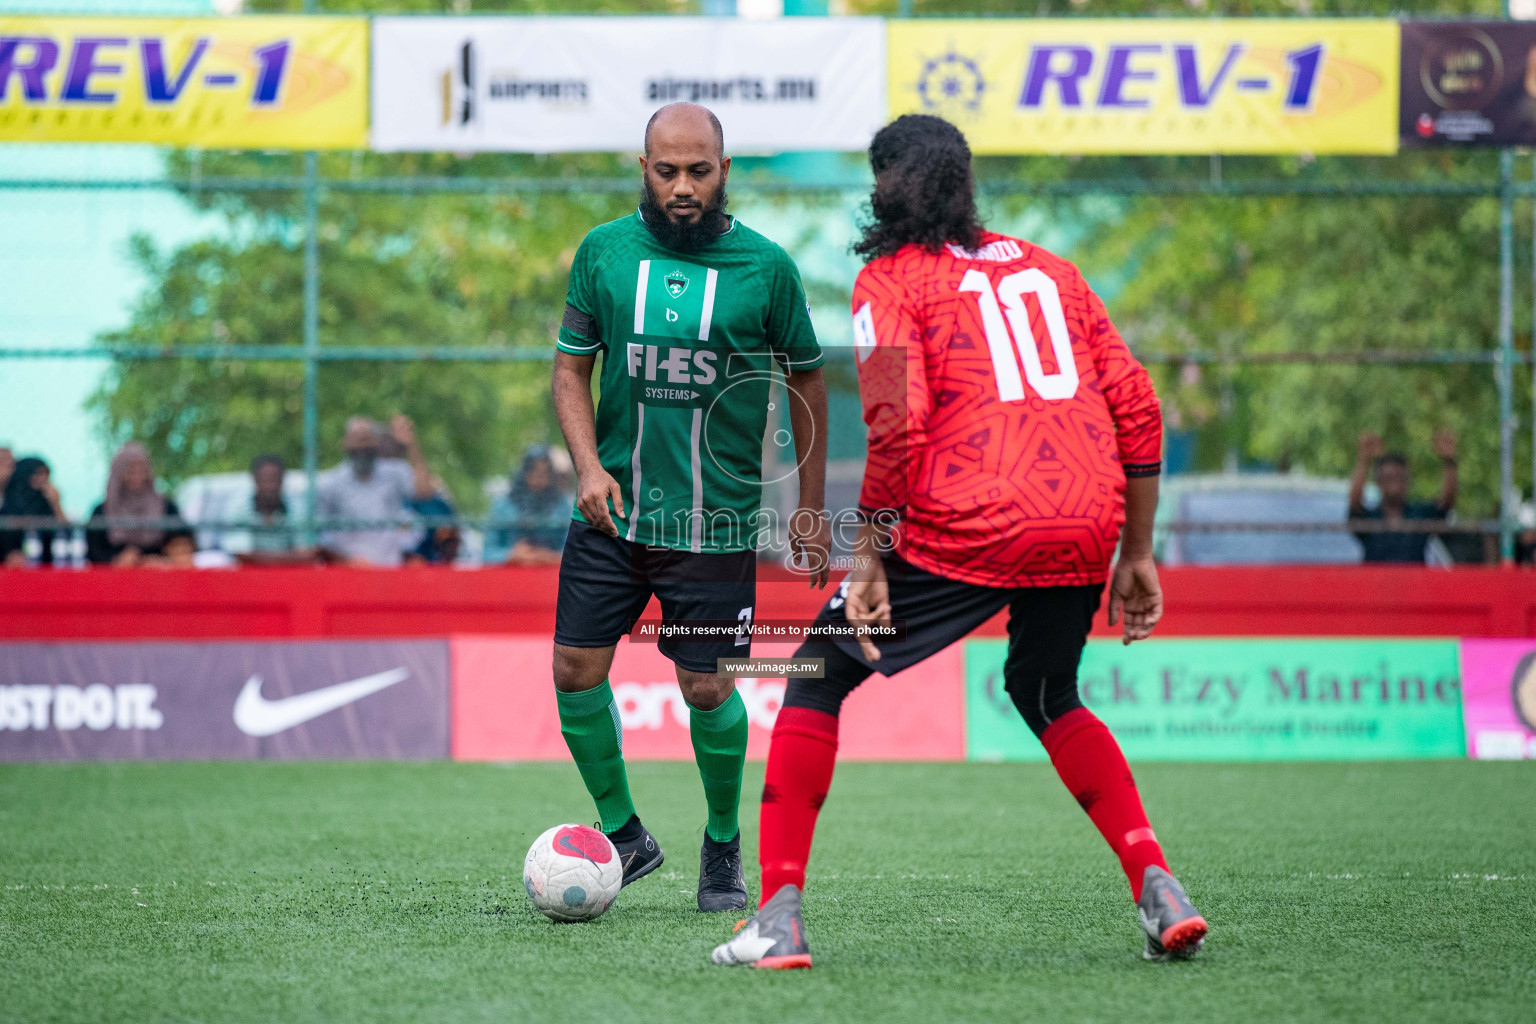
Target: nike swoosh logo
x,y
257,716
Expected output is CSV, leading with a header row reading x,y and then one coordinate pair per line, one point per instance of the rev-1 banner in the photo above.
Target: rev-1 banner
x,y
237,83
1148,85
199,699
548,85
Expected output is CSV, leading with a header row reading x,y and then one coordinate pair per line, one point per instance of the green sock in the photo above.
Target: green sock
x,y
720,748
589,721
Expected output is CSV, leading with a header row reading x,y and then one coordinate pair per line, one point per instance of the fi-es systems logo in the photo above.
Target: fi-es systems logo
x,y
463,95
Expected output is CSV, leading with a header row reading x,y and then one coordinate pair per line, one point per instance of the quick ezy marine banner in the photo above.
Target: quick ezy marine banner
x,y
1133,85
1242,699
238,83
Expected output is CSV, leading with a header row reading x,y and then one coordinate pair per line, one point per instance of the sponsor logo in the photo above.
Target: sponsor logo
x,y
727,90
1123,76
461,90
648,705
257,716
584,843
674,365
97,707
92,69
950,81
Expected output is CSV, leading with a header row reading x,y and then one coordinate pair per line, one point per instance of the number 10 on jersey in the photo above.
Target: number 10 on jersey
x,y
1008,302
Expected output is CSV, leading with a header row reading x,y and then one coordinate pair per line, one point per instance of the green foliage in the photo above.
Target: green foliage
x,y
434,269
1329,275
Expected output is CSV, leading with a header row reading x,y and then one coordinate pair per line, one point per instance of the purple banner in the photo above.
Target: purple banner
x,y
290,699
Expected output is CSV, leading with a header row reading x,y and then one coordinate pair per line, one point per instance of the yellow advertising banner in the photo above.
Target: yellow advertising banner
x,y
1085,85
238,83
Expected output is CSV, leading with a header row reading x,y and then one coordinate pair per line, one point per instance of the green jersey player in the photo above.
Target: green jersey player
x,y
695,316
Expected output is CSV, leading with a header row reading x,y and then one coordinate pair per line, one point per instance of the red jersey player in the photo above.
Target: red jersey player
x,y
1013,440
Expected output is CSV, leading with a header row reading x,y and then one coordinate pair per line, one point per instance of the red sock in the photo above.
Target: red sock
x,y
800,763
1089,761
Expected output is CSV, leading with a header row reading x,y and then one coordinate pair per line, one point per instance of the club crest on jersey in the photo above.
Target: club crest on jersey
x,y
676,283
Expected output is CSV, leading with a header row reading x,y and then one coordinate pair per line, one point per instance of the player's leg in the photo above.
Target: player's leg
x,y
935,613
1047,629
600,597
713,587
801,760
717,724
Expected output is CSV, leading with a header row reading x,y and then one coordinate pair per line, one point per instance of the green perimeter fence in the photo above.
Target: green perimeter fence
x,y
345,264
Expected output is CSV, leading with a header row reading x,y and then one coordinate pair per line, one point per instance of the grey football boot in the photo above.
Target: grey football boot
x,y
1175,930
773,939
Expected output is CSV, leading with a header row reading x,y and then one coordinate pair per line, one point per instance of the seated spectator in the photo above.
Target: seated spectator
x,y
28,492
1395,509
367,487
528,525
266,535
131,494
440,542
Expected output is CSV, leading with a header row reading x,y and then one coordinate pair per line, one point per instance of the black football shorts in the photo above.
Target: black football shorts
x,y
606,582
1047,626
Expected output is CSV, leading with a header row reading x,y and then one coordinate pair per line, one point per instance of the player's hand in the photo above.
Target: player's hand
x,y
593,490
1445,444
810,545
1135,593
868,602
1371,446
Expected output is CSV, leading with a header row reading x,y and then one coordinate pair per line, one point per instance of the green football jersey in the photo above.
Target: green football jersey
x,y
691,343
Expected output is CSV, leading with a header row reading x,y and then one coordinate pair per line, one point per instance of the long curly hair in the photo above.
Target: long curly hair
x,y
924,191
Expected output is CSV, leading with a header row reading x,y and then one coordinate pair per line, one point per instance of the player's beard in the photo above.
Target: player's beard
x,y
686,235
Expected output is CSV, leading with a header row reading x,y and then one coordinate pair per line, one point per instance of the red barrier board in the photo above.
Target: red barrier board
x,y
420,602
504,706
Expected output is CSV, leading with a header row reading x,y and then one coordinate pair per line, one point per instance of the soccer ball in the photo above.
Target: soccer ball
x,y
572,873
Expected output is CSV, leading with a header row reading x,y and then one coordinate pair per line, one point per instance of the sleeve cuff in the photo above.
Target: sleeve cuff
x,y
1136,469
577,346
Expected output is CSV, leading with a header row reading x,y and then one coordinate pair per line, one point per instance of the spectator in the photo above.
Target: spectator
x,y
267,536
528,525
440,542
1394,509
368,487
28,492
7,465
131,494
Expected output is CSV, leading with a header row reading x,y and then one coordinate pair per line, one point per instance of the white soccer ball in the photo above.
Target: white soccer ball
x,y
572,873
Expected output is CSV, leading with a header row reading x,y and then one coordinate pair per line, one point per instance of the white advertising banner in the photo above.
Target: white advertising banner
x,y
547,85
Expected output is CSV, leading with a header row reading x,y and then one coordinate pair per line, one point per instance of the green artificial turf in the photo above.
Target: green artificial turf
x,y
392,892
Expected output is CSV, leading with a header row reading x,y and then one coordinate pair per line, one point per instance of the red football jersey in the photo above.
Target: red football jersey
x,y
1004,413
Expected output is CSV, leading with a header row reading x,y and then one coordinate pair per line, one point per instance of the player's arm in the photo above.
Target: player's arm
x,y
792,337
1134,591
893,386
576,350
572,388
812,538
